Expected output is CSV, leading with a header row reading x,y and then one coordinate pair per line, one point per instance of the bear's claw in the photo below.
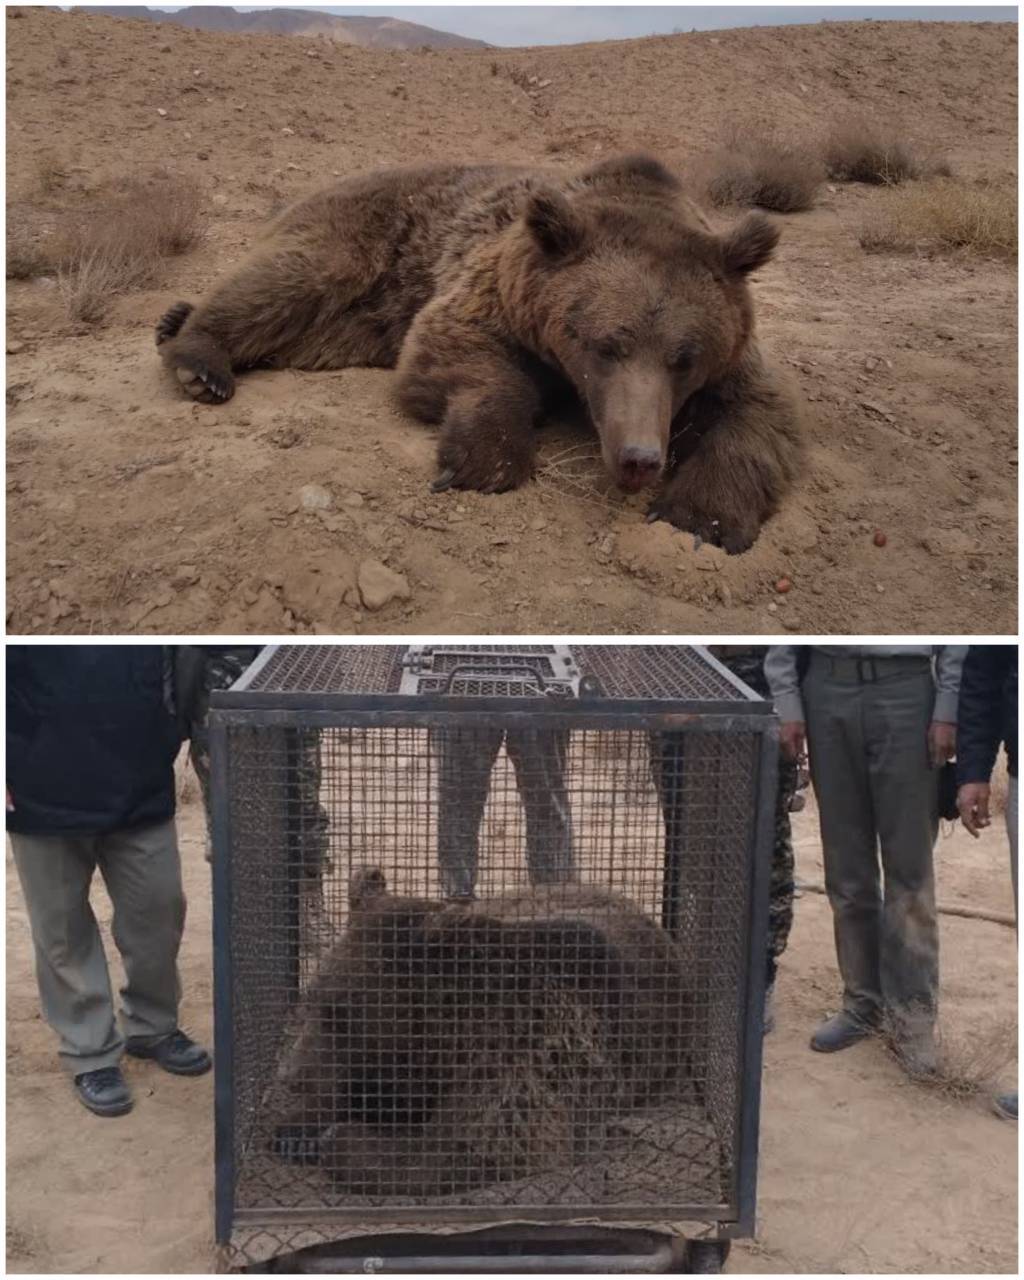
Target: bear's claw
x,y
204,385
444,481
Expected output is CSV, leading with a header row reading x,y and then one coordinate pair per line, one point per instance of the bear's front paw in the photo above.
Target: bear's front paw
x,y
489,463
733,532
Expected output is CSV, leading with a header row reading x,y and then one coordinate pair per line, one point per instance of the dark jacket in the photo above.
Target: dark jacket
x,y
92,735
987,711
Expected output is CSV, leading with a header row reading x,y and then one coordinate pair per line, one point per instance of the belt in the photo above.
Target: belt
x,y
869,670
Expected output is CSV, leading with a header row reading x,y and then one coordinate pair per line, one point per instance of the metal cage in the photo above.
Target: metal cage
x,y
490,931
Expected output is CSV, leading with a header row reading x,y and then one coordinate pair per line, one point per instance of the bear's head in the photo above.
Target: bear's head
x,y
639,305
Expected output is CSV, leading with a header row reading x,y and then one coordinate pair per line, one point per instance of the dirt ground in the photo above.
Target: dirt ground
x,y
132,510
860,1170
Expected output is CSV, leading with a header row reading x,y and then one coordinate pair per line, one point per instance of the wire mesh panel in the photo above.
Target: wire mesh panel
x,y
484,965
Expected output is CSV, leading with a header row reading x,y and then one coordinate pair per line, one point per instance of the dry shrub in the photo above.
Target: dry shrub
x,y
117,242
944,215
757,166
51,173
972,1066
863,150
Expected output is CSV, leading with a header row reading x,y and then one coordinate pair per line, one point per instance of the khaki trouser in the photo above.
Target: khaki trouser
x,y
142,872
877,794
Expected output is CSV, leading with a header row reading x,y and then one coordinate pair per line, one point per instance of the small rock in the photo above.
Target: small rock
x,y
879,588
161,112
378,585
724,594
773,607
946,334
791,623
879,539
288,133
13,347
538,524
220,200
314,497
783,585
352,500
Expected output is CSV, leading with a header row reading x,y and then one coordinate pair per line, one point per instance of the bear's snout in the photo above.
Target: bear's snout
x,y
638,466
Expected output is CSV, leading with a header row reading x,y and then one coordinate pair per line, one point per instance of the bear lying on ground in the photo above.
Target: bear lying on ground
x,y
447,1047
495,289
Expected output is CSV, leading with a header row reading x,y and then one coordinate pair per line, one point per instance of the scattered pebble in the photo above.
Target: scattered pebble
x,y
161,112
538,524
879,539
783,585
288,133
378,585
314,497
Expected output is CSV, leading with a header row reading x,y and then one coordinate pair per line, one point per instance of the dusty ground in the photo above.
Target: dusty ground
x,y
132,510
861,1171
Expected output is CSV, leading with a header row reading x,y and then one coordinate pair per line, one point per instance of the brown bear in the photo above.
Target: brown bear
x,y
446,1047
496,288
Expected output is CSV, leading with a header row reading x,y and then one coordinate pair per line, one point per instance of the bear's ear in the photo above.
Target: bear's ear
x,y
553,223
749,244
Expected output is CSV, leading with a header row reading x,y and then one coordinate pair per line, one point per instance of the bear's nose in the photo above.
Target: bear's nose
x,y
639,466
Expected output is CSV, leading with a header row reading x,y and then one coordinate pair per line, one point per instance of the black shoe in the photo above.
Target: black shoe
x,y
839,1032
176,1053
104,1092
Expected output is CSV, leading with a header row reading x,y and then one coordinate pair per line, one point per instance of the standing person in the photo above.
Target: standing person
x,y
879,721
465,760
747,662
987,718
92,736
206,669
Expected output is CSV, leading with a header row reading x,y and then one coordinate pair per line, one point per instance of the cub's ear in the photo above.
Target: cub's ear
x,y
749,244
554,224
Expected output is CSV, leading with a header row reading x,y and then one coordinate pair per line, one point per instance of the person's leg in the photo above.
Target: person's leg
x,y
464,758
839,771
1011,831
539,757
142,871
905,795
780,903
1006,1103
71,968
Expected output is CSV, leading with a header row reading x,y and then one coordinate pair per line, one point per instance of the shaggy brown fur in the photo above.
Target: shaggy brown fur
x,y
448,1047
495,288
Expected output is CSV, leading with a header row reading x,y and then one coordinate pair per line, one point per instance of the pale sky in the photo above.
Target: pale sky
x,y
564,24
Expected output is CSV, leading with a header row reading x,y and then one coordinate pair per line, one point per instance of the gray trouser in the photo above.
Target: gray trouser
x,y
1011,830
142,872
465,758
876,791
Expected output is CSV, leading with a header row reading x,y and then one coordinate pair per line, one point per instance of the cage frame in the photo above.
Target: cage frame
x,y
322,710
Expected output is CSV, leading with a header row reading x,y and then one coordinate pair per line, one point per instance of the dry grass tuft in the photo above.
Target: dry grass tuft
x,y
759,167
576,472
117,242
944,215
974,1066
862,150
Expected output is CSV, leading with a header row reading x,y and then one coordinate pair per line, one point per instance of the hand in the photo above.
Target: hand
x,y
941,742
792,735
972,801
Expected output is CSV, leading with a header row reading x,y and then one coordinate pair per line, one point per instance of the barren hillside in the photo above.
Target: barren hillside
x,y
132,509
383,33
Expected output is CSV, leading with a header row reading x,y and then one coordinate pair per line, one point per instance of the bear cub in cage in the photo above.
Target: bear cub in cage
x,y
446,1047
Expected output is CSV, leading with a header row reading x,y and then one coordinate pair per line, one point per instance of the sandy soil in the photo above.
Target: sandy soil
x,y
861,1170
132,510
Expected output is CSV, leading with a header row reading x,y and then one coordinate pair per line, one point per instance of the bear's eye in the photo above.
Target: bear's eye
x,y
683,360
609,349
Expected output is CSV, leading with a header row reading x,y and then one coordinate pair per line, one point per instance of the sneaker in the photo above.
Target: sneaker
x,y
1005,1106
840,1032
176,1053
104,1092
